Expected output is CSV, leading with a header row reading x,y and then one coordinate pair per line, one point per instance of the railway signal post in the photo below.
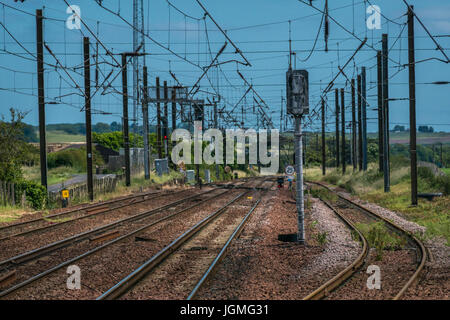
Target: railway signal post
x,y
298,105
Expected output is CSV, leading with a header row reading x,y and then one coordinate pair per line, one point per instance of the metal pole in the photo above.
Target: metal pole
x,y
126,138
166,120
87,109
158,118
174,117
353,126
41,95
145,123
412,106
343,129
386,165
336,91
215,127
299,189
380,111
323,139
364,118
360,134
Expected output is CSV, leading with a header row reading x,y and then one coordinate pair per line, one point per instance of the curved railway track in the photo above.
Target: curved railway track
x,y
348,272
165,211
189,242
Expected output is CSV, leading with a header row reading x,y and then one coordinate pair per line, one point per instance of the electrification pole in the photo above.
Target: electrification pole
x,y
380,111
343,129
360,134
353,126
41,95
364,118
412,106
166,120
145,124
158,119
87,109
336,91
216,127
323,139
174,117
126,138
386,165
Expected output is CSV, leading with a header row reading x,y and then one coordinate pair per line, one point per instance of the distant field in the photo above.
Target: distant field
x,y
61,136
422,138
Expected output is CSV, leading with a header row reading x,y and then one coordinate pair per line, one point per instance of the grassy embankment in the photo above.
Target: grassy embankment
x,y
434,215
54,136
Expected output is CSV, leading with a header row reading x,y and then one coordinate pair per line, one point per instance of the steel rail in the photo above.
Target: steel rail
x,y
418,243
73,210
134,277
349,271
87,208
87,214
105,245
211,268
32,254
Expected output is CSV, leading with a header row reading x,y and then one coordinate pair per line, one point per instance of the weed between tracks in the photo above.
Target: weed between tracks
x,y
369,186
376,233
380,238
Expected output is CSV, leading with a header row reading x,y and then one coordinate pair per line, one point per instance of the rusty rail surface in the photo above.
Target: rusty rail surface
x,y
30,255
105,245
237,231
89,211
138,274
418,243
337,280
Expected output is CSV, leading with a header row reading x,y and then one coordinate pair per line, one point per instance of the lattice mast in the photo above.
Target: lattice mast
x,y
138,61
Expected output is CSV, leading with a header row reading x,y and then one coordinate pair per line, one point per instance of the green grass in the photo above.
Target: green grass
x,y
63,137
380,238
9,214
56,175
369,186
446,170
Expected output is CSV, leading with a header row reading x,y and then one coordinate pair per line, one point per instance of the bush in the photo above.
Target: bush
x,y
36,194
67,158
444,184
75,158
439,183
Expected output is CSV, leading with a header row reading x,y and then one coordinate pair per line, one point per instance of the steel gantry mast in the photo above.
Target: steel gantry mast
x,y
138,60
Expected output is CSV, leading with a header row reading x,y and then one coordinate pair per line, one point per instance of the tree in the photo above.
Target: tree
x,y
12,146
101,127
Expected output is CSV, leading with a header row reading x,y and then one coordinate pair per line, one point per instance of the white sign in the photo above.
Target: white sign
x,y
289,170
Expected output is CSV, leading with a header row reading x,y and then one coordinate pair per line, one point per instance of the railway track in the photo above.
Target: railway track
x,y
339,281
43,223
51,247
27,275
194,255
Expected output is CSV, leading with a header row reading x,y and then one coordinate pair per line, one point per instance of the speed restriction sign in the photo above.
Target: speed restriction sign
x,y
65,193
289,170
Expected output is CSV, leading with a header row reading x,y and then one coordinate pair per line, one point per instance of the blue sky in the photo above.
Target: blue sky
x,y
260,28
